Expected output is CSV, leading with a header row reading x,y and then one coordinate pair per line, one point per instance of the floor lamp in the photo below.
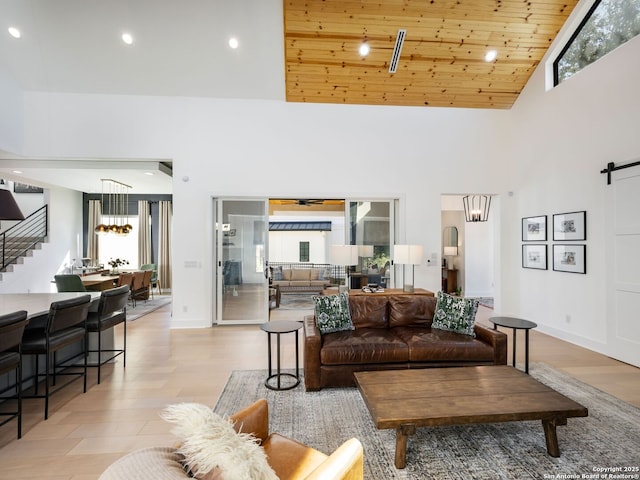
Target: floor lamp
x,y
346,255
408,255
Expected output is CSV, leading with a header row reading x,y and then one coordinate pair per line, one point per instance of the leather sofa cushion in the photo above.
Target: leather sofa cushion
x,y
369,311
411,310
362,346
433,345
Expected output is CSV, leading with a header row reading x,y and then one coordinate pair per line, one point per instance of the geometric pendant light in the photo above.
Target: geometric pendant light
x,y
476,208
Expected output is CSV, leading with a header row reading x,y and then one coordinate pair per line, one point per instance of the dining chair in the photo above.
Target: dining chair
x,y
155,283
112,310
142,292
64,325
11,329
69,283
136,285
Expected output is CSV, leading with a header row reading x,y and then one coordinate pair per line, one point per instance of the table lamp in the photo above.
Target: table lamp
x,y
365,252
408,255
450,252
346,255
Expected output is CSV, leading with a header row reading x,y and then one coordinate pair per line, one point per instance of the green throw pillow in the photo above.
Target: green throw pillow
x,y
455,314
332,313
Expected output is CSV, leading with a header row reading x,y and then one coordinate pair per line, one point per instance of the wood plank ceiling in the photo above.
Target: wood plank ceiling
x,y
442,61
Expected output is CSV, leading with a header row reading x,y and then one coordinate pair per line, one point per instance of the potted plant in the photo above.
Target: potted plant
x,y
116,263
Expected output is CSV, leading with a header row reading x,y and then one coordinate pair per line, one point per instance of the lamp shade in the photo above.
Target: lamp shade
x,y
344,254
9,209
365,251
408,254
451,251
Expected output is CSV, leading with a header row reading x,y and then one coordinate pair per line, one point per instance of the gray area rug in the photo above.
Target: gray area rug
x,y
608,437
142,308
296,301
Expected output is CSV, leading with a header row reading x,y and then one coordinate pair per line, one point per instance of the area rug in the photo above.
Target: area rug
x,y
296,301
143,308
608,437
486,301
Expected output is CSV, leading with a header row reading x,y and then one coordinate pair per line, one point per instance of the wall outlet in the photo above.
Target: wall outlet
x,y
184,309
567,318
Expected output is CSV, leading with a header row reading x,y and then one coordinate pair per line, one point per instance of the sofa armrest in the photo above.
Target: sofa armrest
x,y
345,463
253,419
496,339
312,346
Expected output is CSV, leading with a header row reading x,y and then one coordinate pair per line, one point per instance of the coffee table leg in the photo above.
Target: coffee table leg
x,y
550,435
402,435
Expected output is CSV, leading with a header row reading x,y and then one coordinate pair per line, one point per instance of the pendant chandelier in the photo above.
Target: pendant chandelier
x,y
476,208
117,195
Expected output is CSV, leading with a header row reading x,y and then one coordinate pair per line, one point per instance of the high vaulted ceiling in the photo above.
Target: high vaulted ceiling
x,y
293,50
442,62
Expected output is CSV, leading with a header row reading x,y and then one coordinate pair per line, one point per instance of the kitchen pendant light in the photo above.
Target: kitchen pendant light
x,y
117,195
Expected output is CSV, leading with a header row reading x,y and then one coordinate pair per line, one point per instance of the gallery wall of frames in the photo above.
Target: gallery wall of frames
x,y
568,255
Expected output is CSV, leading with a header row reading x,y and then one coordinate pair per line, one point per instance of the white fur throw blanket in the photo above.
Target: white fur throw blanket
x,y
209,442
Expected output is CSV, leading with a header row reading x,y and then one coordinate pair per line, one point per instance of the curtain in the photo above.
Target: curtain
x,y
144,233
164,244
95,218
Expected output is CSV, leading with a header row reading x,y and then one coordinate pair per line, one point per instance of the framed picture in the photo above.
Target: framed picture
x,y
534,256
534,229
570,258
570,226
24,188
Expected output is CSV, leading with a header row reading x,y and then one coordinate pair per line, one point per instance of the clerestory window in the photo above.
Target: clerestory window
x,y
607,25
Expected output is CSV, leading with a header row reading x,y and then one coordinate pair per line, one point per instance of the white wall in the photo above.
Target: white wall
x,y
561,140
65,241
268,148
11,114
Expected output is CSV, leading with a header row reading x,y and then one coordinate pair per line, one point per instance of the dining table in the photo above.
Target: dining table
x,y
98,281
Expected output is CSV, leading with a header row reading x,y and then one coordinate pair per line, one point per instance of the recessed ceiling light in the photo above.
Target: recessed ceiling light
x,y
490,56
14,32
149,173
127,38
233,42
17,171
364,49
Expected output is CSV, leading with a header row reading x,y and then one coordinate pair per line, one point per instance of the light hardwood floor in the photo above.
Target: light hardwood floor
x,y
86,432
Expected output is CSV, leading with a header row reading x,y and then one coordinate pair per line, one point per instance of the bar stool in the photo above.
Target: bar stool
x,y
11,330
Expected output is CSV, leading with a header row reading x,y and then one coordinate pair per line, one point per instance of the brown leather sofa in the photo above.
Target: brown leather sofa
x,y
392,332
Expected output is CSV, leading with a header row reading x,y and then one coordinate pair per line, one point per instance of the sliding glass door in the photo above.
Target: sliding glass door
x,y
240,243
371,226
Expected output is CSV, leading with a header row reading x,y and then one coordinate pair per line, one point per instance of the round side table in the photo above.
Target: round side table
x,y
279,327
516,324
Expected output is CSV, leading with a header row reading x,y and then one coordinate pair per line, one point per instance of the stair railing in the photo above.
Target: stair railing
x,y
24,236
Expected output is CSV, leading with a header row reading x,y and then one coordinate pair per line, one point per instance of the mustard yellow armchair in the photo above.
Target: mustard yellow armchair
x,y
290,460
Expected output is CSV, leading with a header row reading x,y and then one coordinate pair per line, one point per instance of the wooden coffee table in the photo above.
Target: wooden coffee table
x,y
408,399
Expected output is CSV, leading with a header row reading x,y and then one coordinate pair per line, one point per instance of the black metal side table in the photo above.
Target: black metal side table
x,y
279,327
516,324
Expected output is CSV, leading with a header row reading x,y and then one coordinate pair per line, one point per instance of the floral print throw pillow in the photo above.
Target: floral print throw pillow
x,y
455,314
332,313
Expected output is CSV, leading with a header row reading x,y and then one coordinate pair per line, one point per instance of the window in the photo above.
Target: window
x,y
304,251
120,246
607,25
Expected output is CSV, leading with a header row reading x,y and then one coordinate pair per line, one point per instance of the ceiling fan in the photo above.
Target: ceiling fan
x,y
303,202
